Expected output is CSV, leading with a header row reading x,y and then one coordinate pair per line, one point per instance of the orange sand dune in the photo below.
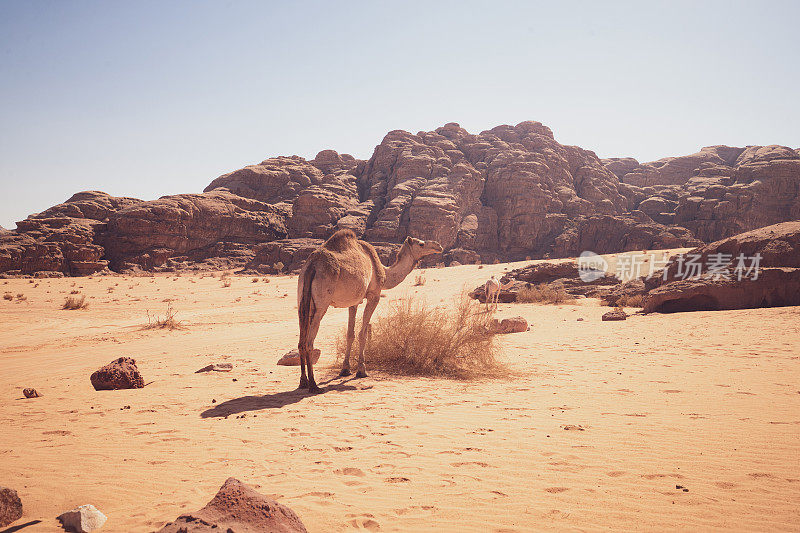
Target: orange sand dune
x,y
599,425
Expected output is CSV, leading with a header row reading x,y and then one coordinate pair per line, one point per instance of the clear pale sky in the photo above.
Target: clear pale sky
x,y
151,98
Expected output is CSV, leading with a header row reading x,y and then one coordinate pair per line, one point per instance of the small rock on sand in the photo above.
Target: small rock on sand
x,y
121,373
616,314
30,393
83,519
515,324
216,367
10,506
238,507
293,358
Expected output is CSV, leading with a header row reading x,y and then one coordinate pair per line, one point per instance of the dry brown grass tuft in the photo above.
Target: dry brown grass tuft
x,y
226,283
8,296
543,294
419,281
636,300
73,302
168,322
414,339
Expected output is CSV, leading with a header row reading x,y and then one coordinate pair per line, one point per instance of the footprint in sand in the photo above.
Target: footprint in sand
x,y
757,475
556,490
397,479
370,524
350,471
726,485
615,473
469,463
57,432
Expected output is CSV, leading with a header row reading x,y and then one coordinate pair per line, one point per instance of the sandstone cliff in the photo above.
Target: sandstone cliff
x,y
505,193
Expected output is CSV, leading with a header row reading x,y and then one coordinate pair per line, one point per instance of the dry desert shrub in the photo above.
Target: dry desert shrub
x,y
419,281
73,302
168,322
637,300
226,282
8,296
543,294
415,339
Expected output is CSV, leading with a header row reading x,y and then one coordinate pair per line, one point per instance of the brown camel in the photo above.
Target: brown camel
x,y
342,273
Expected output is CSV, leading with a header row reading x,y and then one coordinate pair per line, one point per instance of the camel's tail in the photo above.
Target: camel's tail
x,y
305,308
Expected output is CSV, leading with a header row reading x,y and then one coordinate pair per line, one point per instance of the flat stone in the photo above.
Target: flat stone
x,y
216,367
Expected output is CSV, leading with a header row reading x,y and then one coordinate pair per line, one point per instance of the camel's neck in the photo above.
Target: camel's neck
x,y
399,270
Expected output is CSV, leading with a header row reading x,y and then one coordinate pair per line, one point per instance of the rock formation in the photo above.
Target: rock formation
x,y
717,192
505,193
238,507
739,281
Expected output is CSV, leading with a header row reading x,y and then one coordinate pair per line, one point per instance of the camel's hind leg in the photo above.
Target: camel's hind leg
x,y
372,303
307,348
351,335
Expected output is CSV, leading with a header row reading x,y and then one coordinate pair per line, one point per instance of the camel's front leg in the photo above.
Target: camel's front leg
x,y
372,303
351,335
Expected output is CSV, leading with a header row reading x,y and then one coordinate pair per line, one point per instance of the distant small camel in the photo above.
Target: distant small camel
x,y
492,290
341,273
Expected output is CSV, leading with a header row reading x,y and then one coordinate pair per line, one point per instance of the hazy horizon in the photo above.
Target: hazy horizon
x,y
151,99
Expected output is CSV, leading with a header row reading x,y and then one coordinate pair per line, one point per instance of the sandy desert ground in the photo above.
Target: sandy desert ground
x,y
598,426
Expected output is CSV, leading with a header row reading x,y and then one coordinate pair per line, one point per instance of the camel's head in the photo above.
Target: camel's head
x,y
420,249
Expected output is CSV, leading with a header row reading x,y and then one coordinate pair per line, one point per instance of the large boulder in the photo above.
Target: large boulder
x,y
121,373
238,507
759,268
774,287
10,506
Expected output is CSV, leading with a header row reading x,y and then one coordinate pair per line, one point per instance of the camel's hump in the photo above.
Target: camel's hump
x,y
342,240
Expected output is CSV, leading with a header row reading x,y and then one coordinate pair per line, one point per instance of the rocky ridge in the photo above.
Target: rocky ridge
x,y
504,194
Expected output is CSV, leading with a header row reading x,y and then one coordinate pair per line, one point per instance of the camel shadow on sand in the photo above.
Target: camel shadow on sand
x,y
273,401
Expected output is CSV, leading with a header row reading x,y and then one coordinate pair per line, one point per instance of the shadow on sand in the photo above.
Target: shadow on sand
x,y
20,526
272,401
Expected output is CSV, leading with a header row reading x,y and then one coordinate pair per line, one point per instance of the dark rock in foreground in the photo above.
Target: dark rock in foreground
x,y
10,506
238,507
121,373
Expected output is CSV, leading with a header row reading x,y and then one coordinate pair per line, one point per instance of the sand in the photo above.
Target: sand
x,y
599,425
